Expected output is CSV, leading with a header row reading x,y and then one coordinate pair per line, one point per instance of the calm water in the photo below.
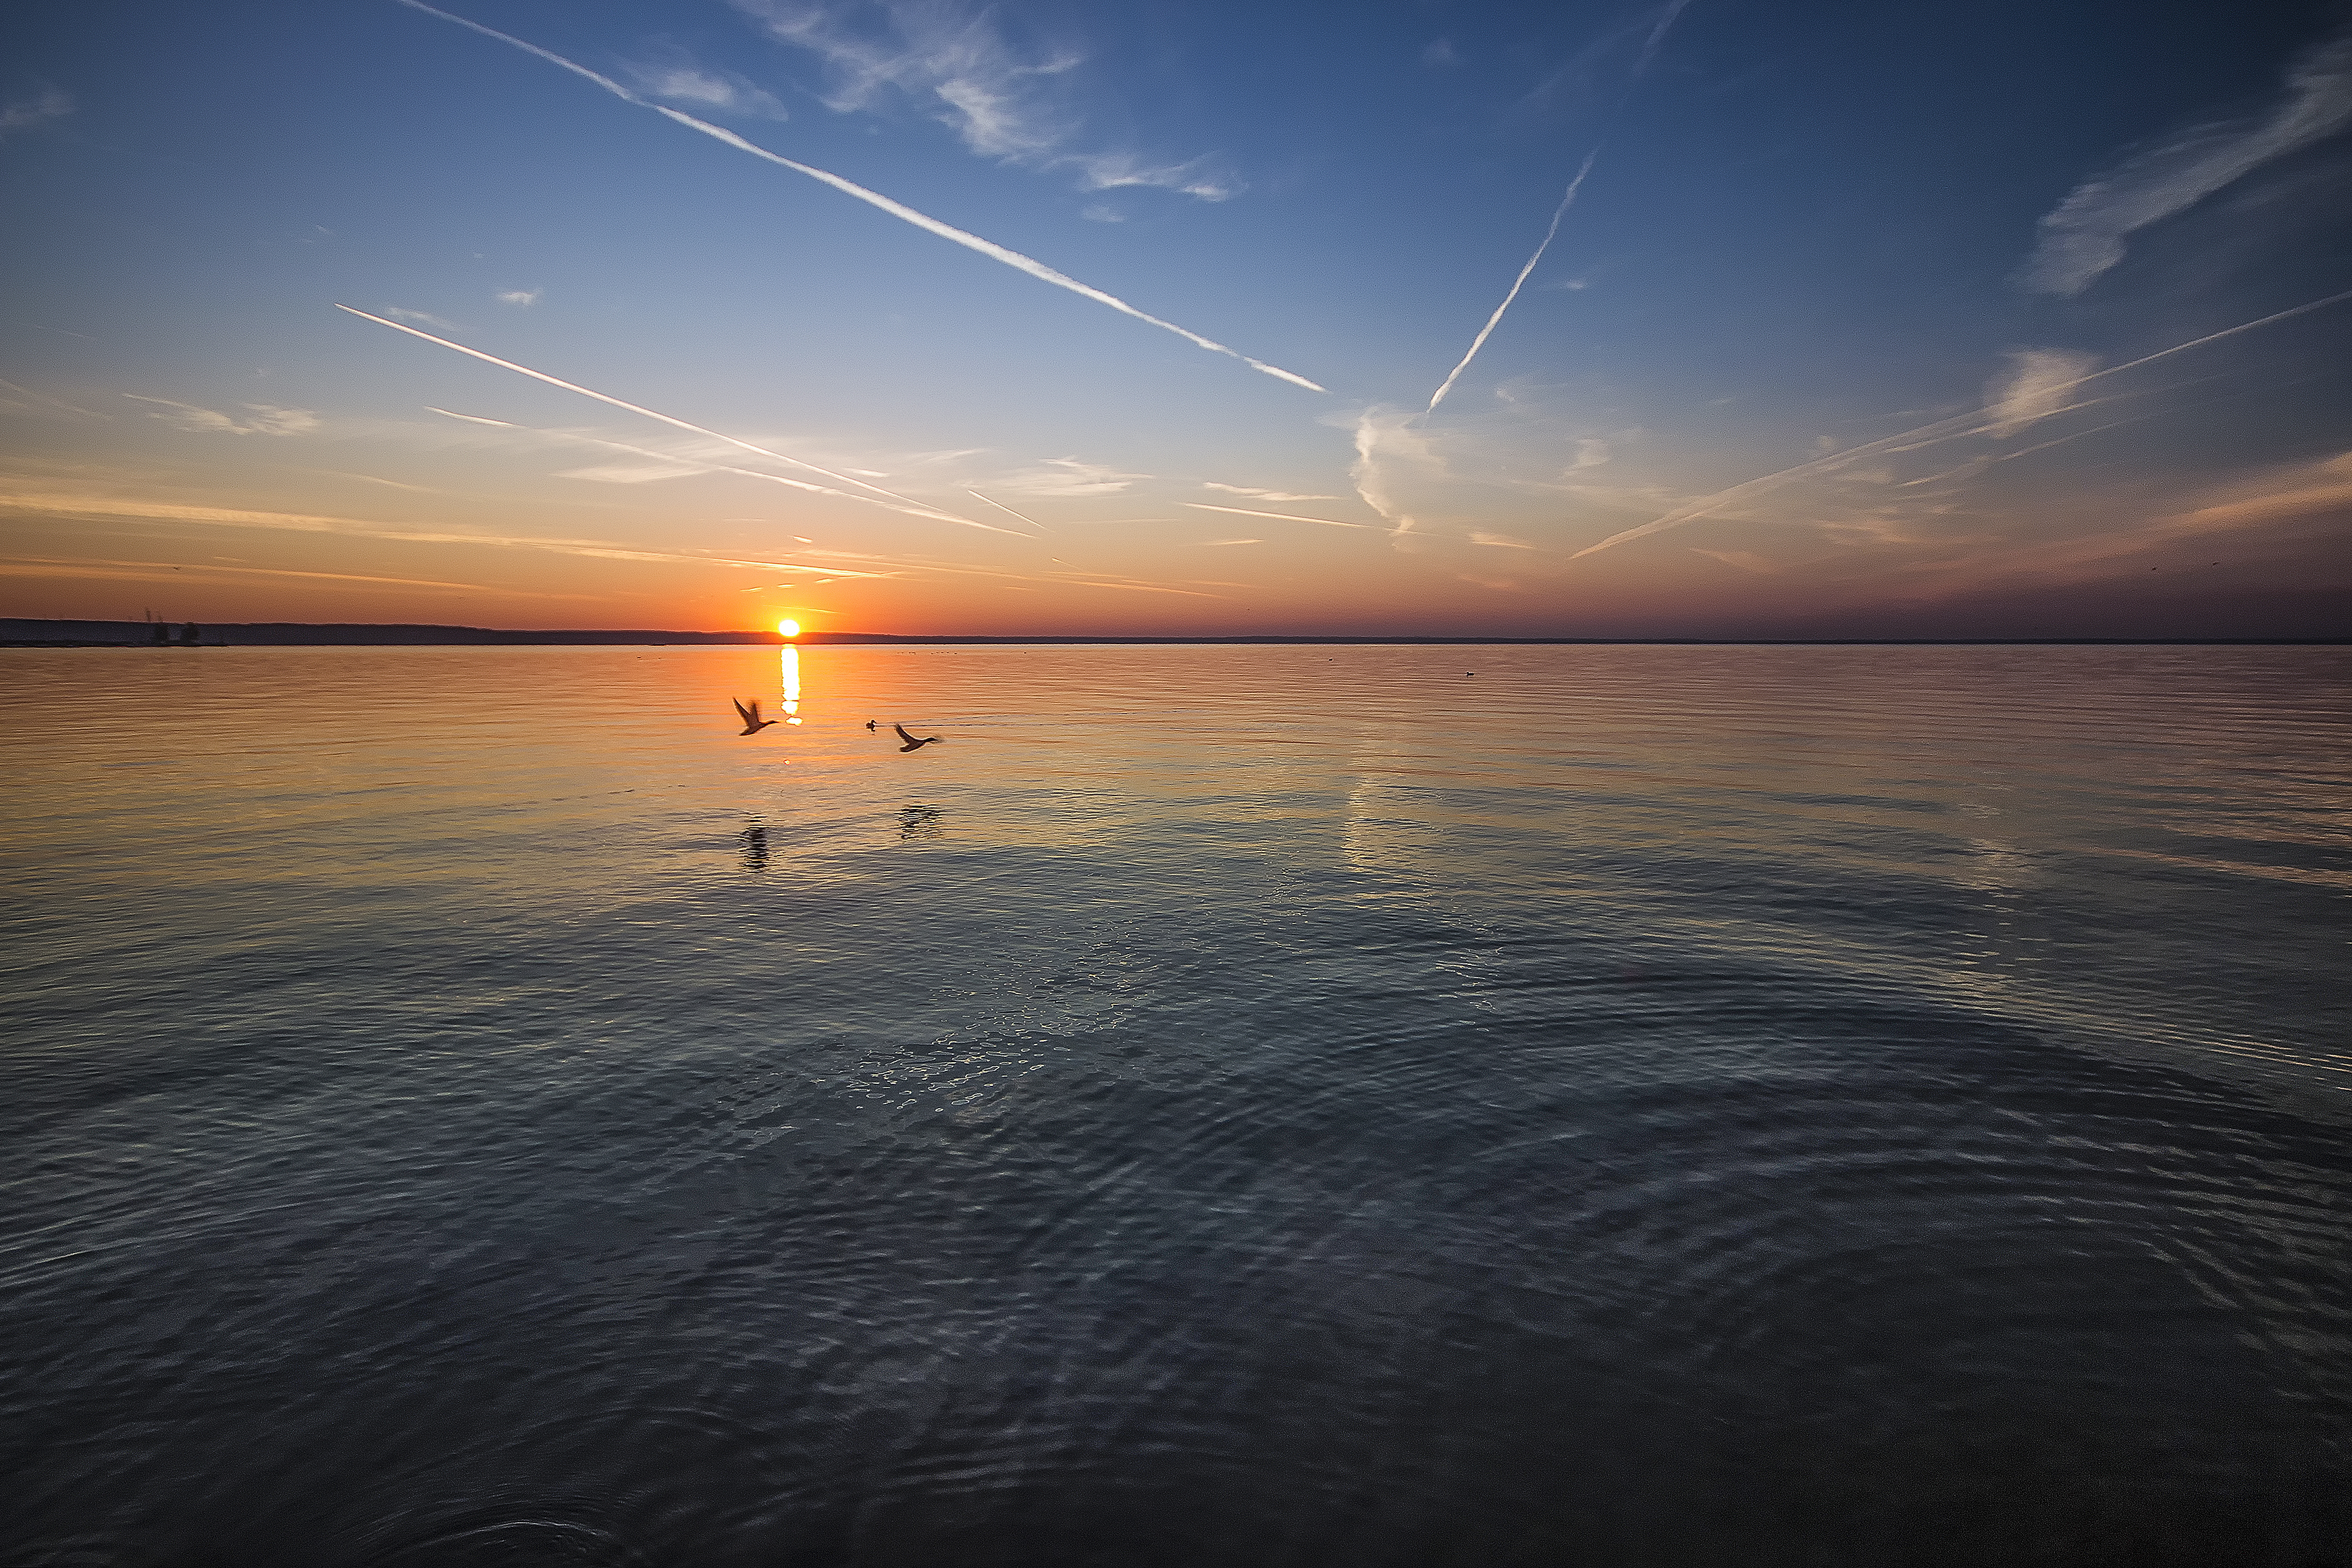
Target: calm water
x,y
1223,1106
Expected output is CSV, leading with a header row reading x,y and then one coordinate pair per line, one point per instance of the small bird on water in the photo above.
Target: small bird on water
x,y
869,725
911,742
752,723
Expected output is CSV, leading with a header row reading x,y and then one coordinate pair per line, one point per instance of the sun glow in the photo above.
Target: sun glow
x,y
788,628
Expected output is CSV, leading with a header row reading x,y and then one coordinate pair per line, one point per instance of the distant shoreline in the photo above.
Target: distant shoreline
x,y
28,633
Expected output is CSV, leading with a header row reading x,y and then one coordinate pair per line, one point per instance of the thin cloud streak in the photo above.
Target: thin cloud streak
x,y
1286,517
1517,284
681,466
1008,510
1065,580
356,528
1260,495
899,210
1977,422
921,511
184,568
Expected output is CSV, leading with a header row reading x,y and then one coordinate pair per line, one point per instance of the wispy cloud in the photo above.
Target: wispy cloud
x,y
682,82
1123,170
2274,499
430,319
265,419
1499,540
2085,235
1072,579
899,210
1069,477
525,297
84,505
2036,385
951,58
673,465
1745,559
1213,544
1387,438
922,511
169,572
954,63
1261,495
2303,490
42,401
1975,422
49,103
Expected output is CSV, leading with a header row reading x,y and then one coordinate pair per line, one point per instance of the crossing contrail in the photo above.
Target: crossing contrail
x,y
899,210
920,508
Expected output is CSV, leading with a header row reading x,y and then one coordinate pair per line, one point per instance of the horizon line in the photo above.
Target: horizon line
x,y
653,637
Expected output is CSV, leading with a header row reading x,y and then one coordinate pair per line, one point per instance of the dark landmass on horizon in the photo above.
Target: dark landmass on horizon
x,y
30,633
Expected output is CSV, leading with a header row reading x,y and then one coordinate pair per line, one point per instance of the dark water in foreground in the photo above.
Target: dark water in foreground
x,y
1224,1106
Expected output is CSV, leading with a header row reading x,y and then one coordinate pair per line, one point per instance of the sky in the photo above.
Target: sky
x,y
1707,318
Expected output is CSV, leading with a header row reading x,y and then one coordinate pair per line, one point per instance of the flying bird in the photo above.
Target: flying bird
x,y
752,723
913,744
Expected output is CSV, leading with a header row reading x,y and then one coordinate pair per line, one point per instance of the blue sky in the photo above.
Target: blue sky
x,y
1838,335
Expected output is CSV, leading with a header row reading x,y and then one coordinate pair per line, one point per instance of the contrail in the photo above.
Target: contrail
x,y
1286,517
704,466
1012,259
922,511
301,523
1657,36
1080,580
1968,424
1517,284
1009,511
1641,64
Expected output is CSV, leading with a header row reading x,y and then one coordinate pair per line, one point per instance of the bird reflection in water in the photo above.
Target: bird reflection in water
x,y
792,673
755,847
918,822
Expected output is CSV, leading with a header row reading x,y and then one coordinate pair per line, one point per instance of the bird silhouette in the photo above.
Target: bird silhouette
x,y
752,723
869,725
912,743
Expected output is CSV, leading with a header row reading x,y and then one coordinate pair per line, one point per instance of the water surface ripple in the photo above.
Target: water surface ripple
x,y
1245,1106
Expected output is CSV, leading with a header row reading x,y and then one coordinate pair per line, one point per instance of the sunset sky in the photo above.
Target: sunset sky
x,y
1996,320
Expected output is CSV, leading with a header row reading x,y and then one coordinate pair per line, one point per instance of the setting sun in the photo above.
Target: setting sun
x,y
788,628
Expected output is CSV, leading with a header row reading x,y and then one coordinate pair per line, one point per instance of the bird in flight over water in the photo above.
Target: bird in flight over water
x,y
752,723
911,742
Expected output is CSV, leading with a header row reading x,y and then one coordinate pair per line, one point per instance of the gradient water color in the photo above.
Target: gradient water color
x,y
1677,1106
